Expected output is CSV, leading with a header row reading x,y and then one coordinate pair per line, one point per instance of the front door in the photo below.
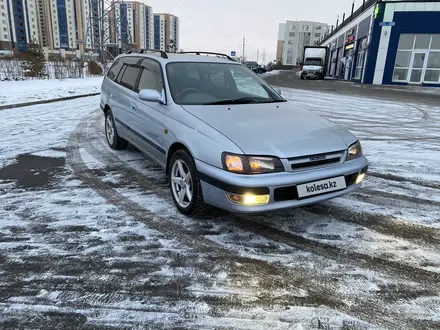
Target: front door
x,y
149,116
418,65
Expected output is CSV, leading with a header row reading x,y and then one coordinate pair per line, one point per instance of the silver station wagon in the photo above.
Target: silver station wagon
x,y
224,136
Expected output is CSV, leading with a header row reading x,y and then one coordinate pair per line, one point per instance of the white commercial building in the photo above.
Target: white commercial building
x,y
293,36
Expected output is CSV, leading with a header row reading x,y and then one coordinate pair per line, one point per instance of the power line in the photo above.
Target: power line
x,y
210,22
201,28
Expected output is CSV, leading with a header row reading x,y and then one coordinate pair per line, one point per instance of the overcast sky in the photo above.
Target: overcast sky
x,y
219,25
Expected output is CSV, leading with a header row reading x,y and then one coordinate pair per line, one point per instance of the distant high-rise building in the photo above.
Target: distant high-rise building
x,y
18,24
166,32
73,27
293,36
135,25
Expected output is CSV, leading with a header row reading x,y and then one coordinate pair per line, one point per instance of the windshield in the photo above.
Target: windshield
x,y
313,61
202,83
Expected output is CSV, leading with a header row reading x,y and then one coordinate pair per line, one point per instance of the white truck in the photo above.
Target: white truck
x,y
315,62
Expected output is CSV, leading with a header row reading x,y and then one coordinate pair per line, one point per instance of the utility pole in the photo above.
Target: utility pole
x,y
244,45
264,56
258,54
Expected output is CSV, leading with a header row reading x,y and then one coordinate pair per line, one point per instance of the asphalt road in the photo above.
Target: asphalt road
x,y
290,79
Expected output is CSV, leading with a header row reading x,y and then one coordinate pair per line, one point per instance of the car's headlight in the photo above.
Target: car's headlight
x,y
251,164
355,151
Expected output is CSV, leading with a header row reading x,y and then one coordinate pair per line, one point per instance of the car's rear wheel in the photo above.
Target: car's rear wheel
x,y
113,139
186,189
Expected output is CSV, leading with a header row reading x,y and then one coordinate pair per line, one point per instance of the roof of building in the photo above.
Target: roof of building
x,y
362,8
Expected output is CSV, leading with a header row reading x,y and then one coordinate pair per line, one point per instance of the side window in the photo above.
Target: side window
x,y
114,70
130,76
151,77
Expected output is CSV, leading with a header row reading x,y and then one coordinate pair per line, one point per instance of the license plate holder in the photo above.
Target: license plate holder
x,y
321,187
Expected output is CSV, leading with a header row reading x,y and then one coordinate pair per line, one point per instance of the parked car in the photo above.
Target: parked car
x,y
254,66
224,137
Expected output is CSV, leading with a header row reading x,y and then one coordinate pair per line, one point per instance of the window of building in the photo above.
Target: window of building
x,y
290,42
418,59
5,29
319,27
6,36
359,64
292,27
317,35
305,28
291,34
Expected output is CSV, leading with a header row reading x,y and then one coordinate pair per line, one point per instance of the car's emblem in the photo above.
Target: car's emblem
x,y
315,158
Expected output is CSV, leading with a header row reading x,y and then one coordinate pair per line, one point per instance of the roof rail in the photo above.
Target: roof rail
x,y
209,53
141,51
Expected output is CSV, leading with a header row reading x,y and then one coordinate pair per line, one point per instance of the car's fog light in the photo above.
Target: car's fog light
x,y
249,199
360,178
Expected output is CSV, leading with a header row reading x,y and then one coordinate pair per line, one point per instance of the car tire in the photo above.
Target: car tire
x,y
302,77
194,206
113,139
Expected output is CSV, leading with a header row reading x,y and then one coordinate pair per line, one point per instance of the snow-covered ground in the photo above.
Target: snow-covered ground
x,y
89,237
14,92
270,73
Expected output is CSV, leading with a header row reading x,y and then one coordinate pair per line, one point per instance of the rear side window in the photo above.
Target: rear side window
x,y
151,77
130,77
114,70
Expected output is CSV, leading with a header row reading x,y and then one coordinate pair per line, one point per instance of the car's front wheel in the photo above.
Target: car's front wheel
x,y
186,189
113,139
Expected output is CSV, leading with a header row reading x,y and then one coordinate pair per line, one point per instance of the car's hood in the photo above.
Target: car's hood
x,y
275,129
312,67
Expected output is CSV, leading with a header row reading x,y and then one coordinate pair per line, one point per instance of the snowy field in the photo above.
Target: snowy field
x,y
14,92
90,239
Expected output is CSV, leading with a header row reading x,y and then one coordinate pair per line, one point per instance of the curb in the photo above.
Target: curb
x,y
67,98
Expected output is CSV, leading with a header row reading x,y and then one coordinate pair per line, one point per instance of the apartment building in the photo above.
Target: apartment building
x,y
19,25
293,36
166,32
78,26
136,24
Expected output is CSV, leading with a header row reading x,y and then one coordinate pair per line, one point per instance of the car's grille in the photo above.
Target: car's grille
x,y
316,161
310,71
291,192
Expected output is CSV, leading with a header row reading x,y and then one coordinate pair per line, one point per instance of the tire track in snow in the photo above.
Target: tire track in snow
x,y
316,285
250,223
392,177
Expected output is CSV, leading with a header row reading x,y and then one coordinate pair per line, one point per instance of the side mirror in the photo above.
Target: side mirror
x,y
150,95
278,90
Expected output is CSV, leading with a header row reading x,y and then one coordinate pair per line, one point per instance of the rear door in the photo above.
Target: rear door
x,y
148,117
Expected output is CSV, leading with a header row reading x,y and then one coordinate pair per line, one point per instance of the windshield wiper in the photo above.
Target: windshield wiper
x,y
241,100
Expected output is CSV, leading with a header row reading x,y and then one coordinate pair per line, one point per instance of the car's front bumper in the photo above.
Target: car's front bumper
x,y
217,182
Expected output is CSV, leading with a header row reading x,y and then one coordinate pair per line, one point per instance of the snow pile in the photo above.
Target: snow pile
x,y
14,92
270,73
